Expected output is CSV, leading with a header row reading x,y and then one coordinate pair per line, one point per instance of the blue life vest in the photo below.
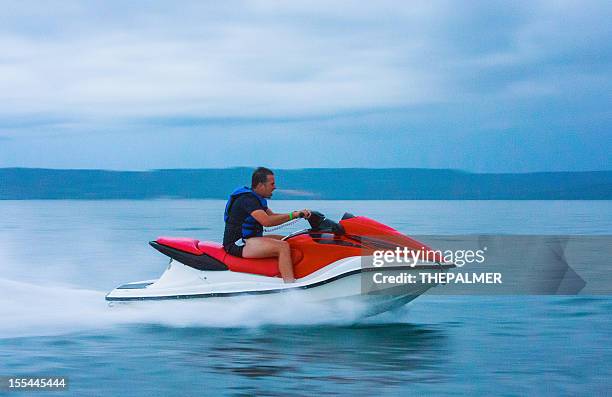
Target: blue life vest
x,y
250,226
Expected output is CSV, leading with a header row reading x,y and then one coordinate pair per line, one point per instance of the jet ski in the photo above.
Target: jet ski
x,y
332,261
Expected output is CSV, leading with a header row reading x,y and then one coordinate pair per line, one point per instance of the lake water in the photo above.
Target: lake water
x,y
59,258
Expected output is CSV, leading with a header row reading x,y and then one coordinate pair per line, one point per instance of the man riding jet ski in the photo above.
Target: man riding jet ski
x,y
332,262
246,214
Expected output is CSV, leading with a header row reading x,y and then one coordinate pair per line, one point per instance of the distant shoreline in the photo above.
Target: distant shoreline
x,y
304,184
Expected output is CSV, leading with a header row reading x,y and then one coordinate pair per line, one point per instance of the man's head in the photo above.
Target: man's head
x,y
262,182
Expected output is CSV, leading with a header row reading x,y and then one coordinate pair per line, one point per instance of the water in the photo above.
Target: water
x,y
59,258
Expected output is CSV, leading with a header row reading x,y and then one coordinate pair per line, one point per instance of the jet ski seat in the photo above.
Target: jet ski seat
x,y
196,248
265,266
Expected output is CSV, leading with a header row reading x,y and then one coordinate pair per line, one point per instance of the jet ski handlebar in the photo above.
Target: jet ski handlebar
x,y
319,223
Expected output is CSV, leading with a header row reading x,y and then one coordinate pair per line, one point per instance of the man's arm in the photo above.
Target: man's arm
x,y
268,218
271,219
262,215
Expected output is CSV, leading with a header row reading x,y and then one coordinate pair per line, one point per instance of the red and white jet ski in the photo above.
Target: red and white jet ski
x,y
331,261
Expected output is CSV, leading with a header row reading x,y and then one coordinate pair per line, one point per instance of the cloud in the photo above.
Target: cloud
x,y
275,59
262,66
91,84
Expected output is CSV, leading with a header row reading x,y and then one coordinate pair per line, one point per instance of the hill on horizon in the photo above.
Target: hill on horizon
x,y
310,183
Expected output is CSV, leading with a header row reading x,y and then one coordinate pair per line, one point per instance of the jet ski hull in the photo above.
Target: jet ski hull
x,y
340,282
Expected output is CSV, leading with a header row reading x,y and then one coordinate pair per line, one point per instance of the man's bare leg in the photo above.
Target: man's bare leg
x,y
263,247
275,236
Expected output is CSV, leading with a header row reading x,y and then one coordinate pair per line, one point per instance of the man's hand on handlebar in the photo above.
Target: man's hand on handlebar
x,y
302,213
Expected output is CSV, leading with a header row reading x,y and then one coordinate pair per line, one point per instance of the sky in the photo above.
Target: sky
x,y
482,86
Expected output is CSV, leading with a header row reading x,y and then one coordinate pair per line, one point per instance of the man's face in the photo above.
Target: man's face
x,y
267,188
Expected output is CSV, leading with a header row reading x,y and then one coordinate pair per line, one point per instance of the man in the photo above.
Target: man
x,y
246,214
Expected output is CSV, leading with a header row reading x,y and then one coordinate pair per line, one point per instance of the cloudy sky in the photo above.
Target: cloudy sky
x,y
481,86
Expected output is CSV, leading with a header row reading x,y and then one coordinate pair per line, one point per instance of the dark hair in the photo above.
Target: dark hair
x,y
260,175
